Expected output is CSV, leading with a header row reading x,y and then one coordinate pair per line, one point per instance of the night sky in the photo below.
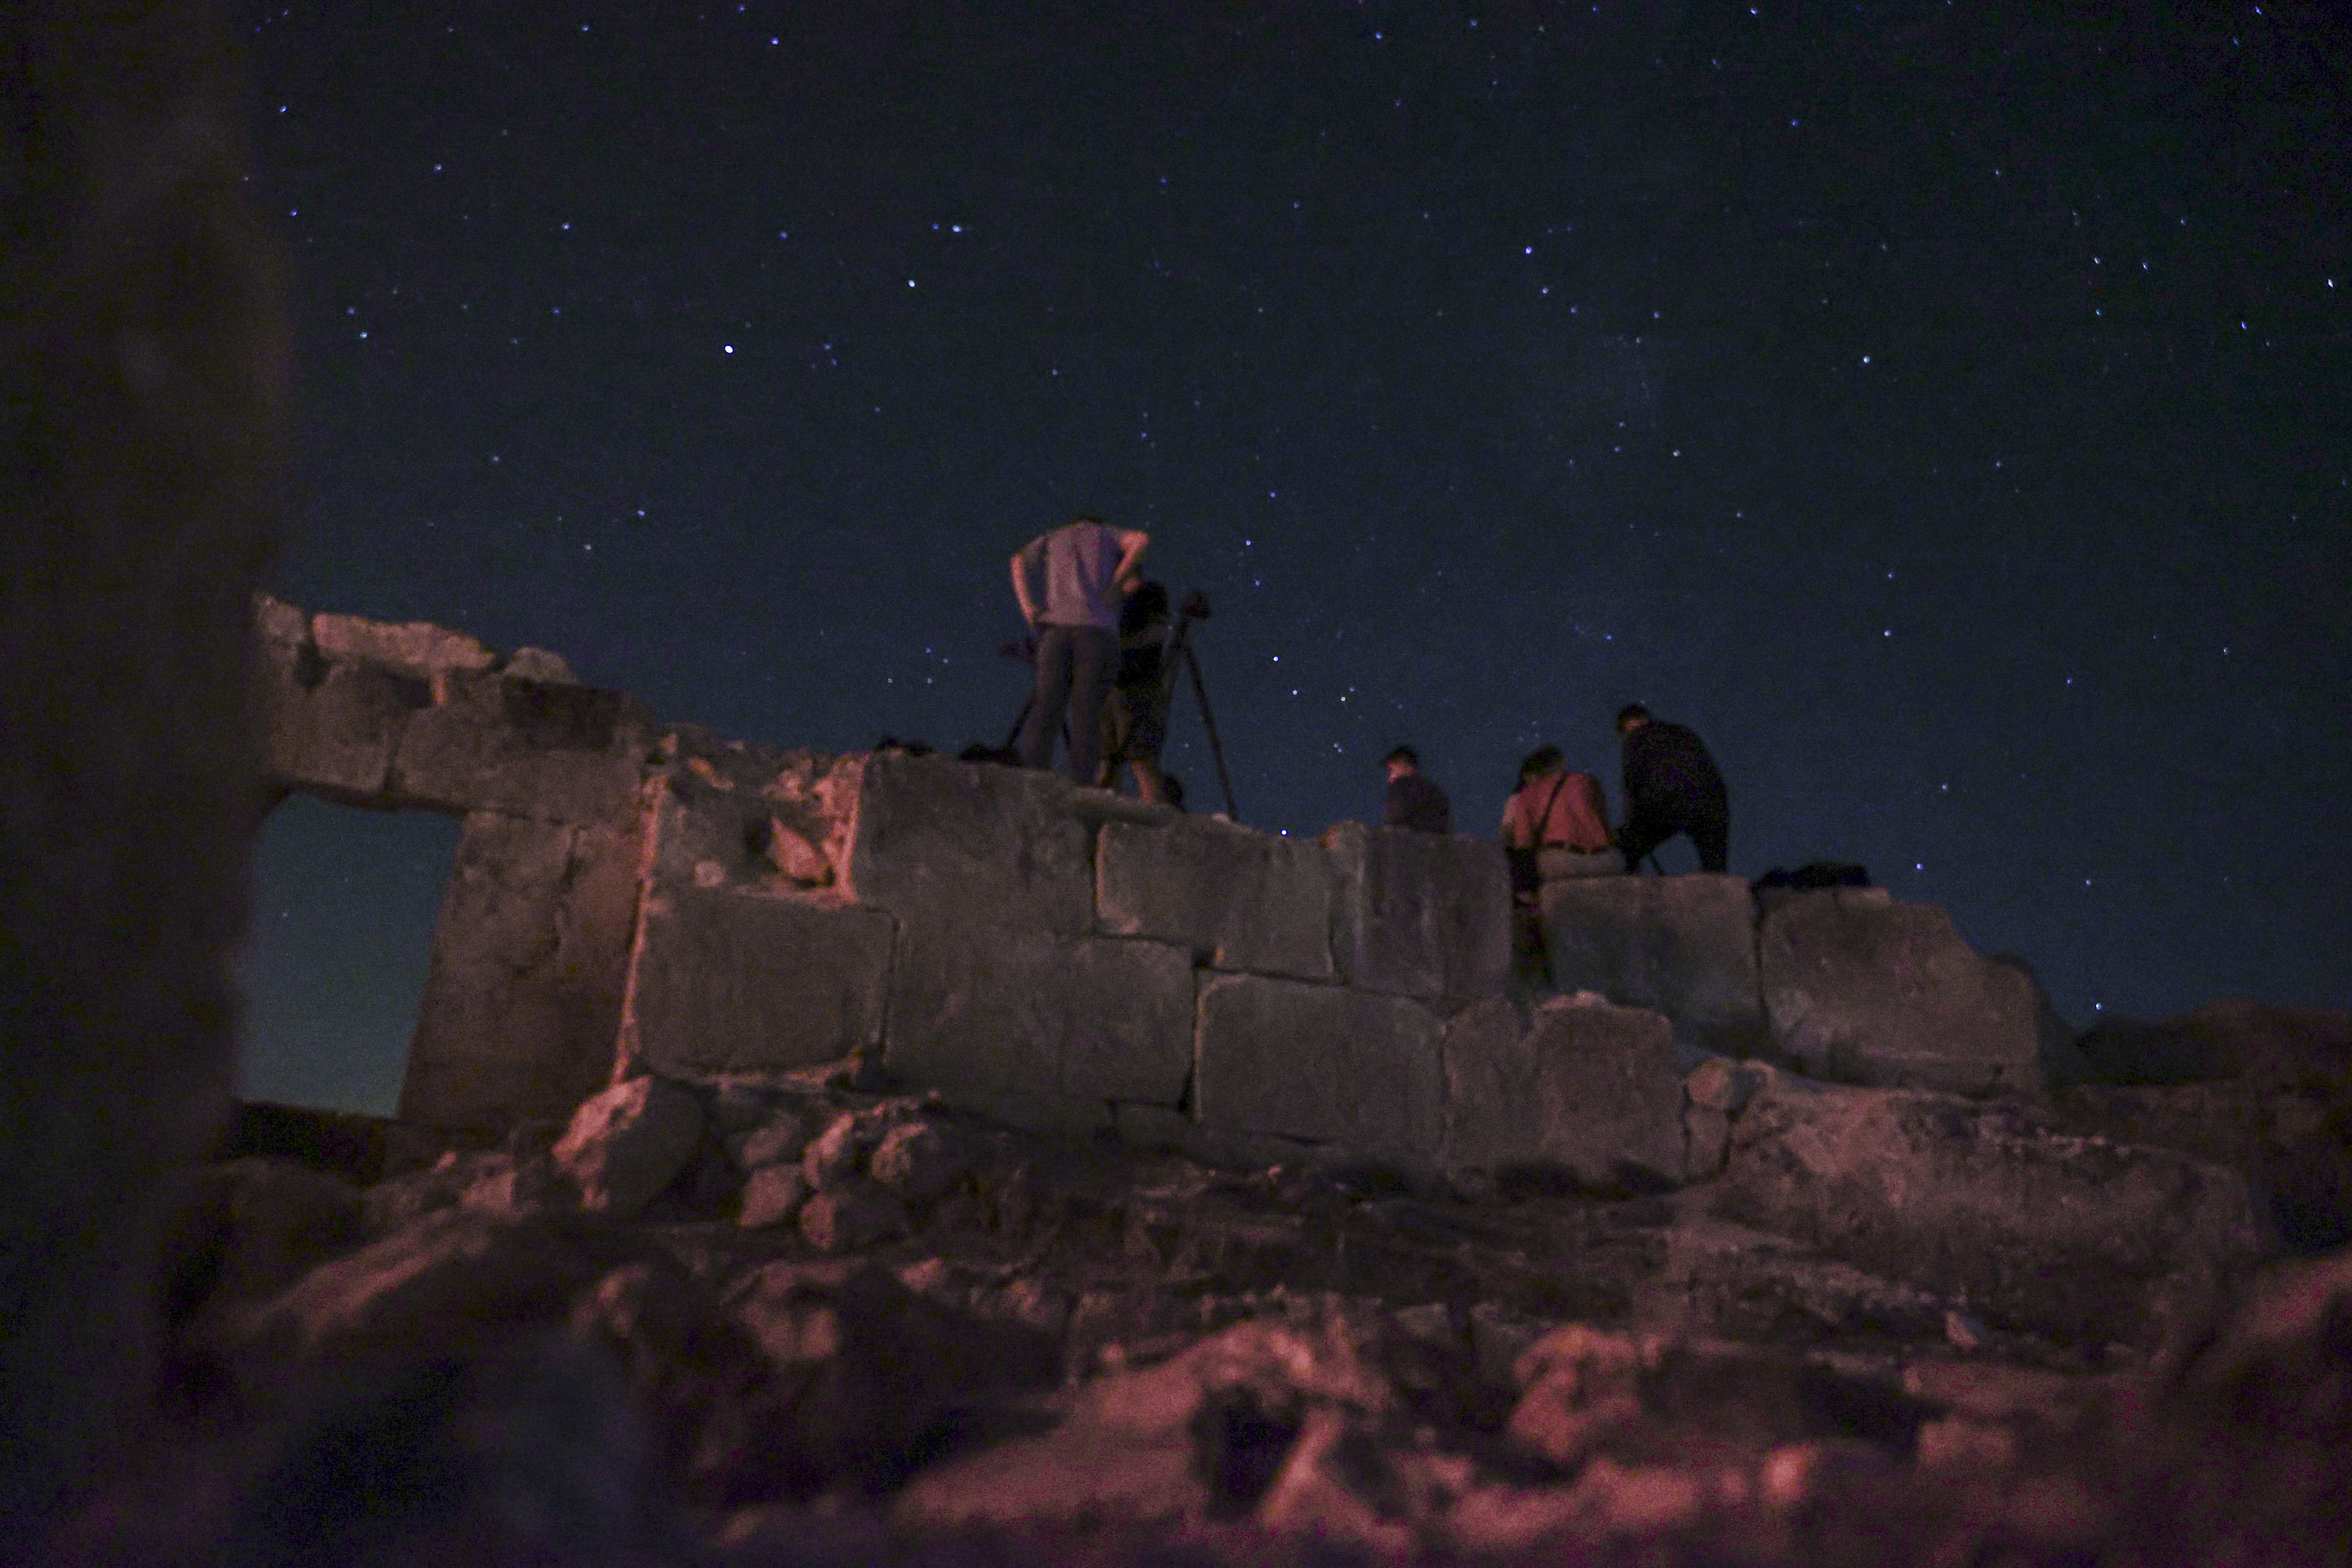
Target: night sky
x,y
1940,408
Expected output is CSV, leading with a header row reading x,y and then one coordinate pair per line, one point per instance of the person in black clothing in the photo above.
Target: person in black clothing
x,y
1414,801
1671,787
1135,718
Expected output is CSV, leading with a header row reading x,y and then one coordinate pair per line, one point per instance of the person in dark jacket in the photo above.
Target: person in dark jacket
x,y
1672,786
1414,800
1135,714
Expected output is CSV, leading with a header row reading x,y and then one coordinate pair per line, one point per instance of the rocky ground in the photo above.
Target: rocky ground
x,y
808,1320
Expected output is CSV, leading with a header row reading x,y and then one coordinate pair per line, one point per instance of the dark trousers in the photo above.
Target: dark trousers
x,y
1073,668
1652,823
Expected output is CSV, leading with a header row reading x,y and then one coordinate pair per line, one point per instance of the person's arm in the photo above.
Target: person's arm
x,y
1393,809
1021,588
1132,544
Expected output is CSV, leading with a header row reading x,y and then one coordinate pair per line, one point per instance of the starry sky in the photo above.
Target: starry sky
x,y
1940,408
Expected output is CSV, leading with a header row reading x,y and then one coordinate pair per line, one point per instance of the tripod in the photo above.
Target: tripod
x,y
1177,659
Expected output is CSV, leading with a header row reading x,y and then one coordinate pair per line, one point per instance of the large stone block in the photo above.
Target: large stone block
x,y
334,727
557,751
1319,1064
1584,1087
730,982
1042,1032
414,647
2071,1236
972,843
1684,946
1237,899
1869,991
1128,1032
1420,914
522,1000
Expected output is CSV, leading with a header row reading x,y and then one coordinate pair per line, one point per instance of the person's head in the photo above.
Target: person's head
x,y
1085,517
1540,764
1631,717
1402,761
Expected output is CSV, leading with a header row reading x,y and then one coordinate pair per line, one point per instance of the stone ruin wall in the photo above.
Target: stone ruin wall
x,y
629,897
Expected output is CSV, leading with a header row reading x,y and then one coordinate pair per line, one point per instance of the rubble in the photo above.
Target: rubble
x,y
947,1154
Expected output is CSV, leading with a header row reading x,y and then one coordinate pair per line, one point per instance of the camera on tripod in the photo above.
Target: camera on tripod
x,y
1177,659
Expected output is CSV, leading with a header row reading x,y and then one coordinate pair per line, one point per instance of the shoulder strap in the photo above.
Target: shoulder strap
x,y
1543,817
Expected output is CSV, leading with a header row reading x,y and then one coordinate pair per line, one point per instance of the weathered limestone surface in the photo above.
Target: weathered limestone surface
x,y
1042,1032
736,815
2265,1091
1420,914
416,648
1128,1032
332,728
1684,946
563,751
2051,1232
417,717
1239,899
726,982
1321,1064
1865,990
957,844
626,1143
1583,1087
522,1000
974,1011
1164,1127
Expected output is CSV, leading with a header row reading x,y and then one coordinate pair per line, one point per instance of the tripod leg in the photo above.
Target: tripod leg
x,y
1209,723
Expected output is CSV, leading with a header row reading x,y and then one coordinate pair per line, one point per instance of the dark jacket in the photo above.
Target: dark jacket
x,y
1416,803
1667,766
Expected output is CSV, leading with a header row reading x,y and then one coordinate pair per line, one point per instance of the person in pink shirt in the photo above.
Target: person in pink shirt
x,y
1556,824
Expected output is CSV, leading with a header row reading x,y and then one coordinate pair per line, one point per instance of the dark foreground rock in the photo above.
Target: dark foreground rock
x,y
2266,1091
1896,1326
1986,1202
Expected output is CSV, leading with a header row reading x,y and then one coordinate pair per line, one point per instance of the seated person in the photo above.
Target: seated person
x,y
1556,824
1414,801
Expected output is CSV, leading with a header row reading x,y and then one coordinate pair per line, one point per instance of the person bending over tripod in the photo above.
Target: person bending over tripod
x,y
1135,715
1082,563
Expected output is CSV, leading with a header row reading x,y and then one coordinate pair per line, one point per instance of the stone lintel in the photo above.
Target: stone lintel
x,y
563,753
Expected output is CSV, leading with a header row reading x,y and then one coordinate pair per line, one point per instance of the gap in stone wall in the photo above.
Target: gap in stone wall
x,y
334,964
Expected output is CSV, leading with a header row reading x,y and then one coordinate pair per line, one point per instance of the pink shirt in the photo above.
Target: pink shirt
x,y
1575,815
